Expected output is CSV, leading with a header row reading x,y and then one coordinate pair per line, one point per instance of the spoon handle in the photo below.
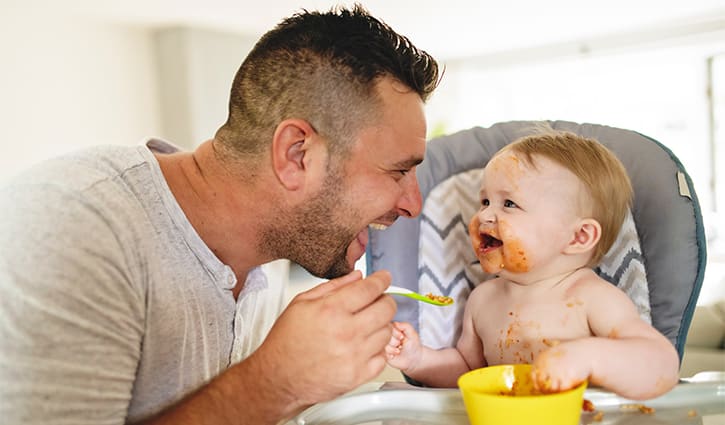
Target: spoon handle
x,y
398,290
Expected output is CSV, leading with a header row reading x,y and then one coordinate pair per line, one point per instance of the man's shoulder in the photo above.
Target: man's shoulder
x,y
89,186
80,168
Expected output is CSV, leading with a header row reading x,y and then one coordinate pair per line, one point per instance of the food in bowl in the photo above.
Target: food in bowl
x,y
505,394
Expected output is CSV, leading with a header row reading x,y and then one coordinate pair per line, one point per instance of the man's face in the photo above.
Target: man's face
x,y
375,184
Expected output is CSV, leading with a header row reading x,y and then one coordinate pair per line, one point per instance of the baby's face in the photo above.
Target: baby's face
x,y
528,215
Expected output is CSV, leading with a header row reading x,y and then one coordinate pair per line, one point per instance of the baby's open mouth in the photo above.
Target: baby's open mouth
x,y
488,242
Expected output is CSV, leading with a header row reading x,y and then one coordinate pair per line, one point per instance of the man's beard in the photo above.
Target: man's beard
x,y
313,236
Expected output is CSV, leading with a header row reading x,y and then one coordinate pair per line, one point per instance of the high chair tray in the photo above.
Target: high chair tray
x,y
688,403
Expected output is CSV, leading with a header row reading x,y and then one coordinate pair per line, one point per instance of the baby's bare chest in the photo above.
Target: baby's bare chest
x,y
517,332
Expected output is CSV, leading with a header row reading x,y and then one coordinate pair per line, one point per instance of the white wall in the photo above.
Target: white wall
x,y
67,84
196,69
661,93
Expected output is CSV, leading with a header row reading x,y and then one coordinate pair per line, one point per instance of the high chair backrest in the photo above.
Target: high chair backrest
x,y
658,259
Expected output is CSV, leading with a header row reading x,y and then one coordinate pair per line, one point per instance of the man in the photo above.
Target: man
x,y
130,276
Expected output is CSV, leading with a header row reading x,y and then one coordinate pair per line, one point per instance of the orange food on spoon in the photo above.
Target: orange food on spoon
x,y
440,298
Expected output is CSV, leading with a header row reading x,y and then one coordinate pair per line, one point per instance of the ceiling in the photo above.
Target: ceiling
x,y
445,28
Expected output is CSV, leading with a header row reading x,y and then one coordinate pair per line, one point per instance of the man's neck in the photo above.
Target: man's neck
x,y
219,207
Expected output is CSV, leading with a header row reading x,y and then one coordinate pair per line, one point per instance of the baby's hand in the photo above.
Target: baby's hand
x,y
404,347
559,368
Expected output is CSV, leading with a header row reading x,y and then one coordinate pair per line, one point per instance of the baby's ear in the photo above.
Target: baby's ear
x,y
586,235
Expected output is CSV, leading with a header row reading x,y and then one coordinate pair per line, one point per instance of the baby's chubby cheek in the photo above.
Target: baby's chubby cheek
x,y
514,257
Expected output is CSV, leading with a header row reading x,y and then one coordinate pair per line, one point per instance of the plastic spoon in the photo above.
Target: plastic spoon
x,y
396,290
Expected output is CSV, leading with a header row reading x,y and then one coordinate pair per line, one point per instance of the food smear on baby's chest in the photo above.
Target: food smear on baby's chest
x,y
518,342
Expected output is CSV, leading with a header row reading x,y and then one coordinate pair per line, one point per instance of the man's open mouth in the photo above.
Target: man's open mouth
x,y
384,221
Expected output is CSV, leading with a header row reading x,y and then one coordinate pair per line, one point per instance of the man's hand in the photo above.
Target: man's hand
x,y
331,338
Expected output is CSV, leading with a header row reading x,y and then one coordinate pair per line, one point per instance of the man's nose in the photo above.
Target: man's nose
x,y
411,202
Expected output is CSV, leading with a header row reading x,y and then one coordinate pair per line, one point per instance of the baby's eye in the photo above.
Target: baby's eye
x,y
485,202
509,204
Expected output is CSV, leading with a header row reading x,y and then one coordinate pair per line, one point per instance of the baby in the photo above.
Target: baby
x,y
552,205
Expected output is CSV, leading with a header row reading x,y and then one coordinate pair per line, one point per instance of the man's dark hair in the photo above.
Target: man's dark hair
x,y
323,68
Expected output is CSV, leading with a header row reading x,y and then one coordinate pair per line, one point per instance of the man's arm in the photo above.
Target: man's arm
x,y
328,341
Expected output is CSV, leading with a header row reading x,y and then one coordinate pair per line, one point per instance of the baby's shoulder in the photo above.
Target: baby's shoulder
x,y
489,285
591,285
487,288
486,299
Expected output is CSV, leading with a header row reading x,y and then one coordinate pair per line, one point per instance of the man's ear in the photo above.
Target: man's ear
x,y
586,236
290,145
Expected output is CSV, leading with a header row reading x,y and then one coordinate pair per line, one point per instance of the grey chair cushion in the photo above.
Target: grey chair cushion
x,y
666,215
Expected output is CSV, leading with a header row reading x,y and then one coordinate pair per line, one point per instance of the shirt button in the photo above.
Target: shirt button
x,y
231,279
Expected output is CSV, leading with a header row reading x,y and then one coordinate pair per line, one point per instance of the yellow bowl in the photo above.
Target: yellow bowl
x,y
505,394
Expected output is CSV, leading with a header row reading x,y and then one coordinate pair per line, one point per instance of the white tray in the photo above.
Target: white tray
x,y
688,403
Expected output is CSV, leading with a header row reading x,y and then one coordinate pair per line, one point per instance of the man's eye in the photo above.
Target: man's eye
x,y
509,204
403,172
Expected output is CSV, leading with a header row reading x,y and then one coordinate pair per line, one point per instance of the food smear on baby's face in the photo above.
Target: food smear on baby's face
x,y
495,252
508,165
514,255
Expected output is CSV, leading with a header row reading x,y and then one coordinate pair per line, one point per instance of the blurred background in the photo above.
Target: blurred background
x,y
82,72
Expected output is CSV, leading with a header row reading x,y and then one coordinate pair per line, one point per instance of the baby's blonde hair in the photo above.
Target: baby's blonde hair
x,y
600,171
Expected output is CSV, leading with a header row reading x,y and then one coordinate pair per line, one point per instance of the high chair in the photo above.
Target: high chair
x,y
658,259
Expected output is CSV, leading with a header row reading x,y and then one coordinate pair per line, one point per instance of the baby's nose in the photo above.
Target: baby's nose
x,y
487,215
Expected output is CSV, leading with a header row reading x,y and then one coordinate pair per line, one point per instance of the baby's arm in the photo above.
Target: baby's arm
x,y
626,355
435,368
